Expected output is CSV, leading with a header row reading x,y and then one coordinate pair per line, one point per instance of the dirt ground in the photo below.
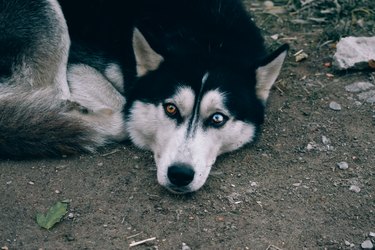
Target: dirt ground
x,y
284,192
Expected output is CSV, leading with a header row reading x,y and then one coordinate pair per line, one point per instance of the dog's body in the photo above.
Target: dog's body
x,y
73,82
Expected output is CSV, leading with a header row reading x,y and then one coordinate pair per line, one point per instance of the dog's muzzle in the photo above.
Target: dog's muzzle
x,y
180,176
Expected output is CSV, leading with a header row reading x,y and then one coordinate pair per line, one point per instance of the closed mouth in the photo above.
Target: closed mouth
x,y
178,190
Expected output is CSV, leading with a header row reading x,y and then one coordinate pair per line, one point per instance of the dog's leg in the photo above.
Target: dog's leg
x,y
62,37
91,89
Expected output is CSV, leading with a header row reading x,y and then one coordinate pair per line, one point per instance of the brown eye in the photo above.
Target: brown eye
x,y
170,109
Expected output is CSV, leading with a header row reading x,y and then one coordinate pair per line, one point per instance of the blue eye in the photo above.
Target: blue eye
x,y
217,120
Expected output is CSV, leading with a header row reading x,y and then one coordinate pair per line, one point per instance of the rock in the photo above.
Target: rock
x,y
335,106
371,234
354,52
268,4
368,96
347,243
185,247
343,165
310,146
355,189
358,87
367,245
300,56
325,140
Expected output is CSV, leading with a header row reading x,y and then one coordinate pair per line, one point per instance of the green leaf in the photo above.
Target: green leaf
x,y
53,216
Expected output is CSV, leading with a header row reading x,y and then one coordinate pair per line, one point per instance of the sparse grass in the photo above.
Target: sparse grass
x,y
337,18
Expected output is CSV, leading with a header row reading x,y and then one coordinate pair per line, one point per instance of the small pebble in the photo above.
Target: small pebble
x,y
335,106
325,140
309,147
347,243
275,37
367,245
355,188
9,182
268,4
343,165
57,191
301,56
69,237
31,183
185,247
70,215
100,164
253,184
297,184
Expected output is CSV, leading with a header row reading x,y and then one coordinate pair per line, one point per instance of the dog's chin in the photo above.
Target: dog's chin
x,y
179,190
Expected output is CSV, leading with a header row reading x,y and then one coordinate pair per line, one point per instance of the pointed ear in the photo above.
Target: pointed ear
x,y
146,58
268,71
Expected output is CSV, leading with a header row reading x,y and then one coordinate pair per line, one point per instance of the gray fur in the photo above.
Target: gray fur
x,y
39,114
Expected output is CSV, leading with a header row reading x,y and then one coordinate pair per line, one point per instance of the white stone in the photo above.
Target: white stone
x,y
335,106
355,189
368,96
268,4
325,140
343,165
367,245
354,52
185,247
358,87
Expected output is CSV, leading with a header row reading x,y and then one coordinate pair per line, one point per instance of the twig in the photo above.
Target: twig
x,y
141,242
133,236
111,153
272,247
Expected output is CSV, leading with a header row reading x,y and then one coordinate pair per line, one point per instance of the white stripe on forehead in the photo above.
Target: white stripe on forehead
x,y
212,102
195,117
204,79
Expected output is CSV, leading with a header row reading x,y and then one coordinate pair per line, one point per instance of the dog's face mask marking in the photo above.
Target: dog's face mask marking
x,y
188,124
185,137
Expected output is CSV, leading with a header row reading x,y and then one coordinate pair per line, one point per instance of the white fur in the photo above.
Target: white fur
x,y
93,91
61,74
114,74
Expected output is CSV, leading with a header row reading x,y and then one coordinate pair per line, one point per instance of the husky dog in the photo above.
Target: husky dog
x,y
186,79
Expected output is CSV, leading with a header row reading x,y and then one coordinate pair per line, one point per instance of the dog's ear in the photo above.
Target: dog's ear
x,y
268,71
146,58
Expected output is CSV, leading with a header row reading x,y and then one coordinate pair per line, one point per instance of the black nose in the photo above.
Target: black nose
x,y
181,175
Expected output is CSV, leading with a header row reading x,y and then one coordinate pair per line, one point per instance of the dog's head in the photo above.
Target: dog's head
x,y
188,115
